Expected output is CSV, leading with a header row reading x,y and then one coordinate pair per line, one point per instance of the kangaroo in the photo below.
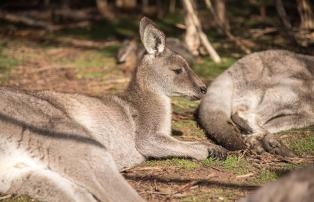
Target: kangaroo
x,y
70,147
131,53
261,94
297,186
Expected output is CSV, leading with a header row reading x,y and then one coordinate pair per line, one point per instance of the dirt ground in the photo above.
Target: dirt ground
x,y
36,60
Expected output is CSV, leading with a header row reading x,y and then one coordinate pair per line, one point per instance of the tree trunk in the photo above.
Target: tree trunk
x,y
283,15
285,21
126,4
194,36
220,10
104,9
306,14
172,6
226,28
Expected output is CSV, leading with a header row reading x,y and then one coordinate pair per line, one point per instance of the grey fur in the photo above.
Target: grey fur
x,y
297,186
260,94
70,147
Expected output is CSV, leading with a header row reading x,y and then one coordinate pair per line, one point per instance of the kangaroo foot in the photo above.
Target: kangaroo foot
x,y
274,146
216,152
266,142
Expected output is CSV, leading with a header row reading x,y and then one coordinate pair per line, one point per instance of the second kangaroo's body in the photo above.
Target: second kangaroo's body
x,y
70,147
262,93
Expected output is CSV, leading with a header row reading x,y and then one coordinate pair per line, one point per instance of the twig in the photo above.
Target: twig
x,y
186,187
5,196
244,176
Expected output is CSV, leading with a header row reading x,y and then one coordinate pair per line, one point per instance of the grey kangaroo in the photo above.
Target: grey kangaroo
x,y
70,147
297,186
261,94
131,53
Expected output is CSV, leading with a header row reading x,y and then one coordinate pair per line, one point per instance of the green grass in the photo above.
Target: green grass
x,y
265,176
237,165
206,68
91,64
19,199
233,163
181,104
7,62
189,127
176,162
303,146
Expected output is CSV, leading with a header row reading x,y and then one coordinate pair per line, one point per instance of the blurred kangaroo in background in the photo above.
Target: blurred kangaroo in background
x,y
131,53
260,94
297,186
70,147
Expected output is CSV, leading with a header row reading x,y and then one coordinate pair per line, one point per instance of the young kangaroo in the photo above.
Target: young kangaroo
x,y
70,147
131,53
262,93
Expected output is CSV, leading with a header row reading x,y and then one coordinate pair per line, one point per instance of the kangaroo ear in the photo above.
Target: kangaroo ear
x,y
152,38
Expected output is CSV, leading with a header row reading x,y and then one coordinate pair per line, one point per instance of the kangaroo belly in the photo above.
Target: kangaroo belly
x,y
14,162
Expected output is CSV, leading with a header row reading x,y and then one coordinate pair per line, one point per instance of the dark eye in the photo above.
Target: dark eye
x,y
178,71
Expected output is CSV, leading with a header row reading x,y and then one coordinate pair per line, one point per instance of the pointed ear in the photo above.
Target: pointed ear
x,y
152,38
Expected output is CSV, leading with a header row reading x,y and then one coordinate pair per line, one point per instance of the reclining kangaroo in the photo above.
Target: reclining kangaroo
x,y
262,93
297,186
131,53
70,147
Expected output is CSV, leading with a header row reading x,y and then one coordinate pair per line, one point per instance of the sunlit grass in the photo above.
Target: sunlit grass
x,y
175,162
207,69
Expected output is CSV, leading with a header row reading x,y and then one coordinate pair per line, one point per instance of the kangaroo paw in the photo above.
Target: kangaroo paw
x,y
266,142
275,146
217,152
254,143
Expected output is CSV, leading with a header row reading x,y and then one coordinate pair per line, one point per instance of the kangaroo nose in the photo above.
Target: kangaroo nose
x,y
203,89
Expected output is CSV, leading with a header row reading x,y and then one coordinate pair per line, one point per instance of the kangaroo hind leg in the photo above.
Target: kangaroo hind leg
x,y
47,185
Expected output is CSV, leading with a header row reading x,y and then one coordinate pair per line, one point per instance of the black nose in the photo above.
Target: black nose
x,y
203,89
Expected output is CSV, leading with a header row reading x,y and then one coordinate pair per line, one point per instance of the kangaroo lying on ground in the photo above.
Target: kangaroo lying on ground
x,y
297,186
262,93
131,53
70,147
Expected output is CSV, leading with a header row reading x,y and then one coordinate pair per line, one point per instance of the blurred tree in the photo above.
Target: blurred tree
x,y
224,26
104,9
126,4
172,6
195,38
306,14
221,14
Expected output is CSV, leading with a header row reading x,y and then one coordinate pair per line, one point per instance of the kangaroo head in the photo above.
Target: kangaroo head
x,y
127,51
164,71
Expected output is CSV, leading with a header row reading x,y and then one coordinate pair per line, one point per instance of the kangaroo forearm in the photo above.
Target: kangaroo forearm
x,y
218,127
162,146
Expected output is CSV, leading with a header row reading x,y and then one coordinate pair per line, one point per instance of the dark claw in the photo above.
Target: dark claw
x,y
217,152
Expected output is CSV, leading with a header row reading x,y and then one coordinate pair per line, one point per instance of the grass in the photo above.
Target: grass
x,y
303,146
176,162
206,68
19,199
7,62
265,176
181,104
237,165
189,127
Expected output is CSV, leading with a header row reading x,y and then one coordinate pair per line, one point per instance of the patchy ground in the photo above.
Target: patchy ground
x,y
80,61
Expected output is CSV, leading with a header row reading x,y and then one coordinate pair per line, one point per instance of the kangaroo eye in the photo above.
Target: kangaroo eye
x,y
178,71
